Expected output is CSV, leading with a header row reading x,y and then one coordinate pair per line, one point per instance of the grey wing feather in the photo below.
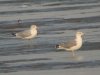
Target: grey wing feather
x,y
24,33
69,44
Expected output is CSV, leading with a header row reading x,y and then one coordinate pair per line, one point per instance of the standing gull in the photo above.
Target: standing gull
x,y
72,45
27,34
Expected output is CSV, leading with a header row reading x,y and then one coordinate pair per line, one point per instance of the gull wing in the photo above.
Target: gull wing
x,y
23,34
69,44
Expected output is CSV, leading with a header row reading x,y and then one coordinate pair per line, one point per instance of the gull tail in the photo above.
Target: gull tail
x,y
57,46
14,34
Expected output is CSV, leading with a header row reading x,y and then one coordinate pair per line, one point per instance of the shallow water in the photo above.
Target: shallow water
x,y
58,20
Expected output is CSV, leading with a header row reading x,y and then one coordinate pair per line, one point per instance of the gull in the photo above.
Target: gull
x,y
72,45
27,34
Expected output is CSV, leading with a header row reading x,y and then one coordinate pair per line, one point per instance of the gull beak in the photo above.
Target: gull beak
x,y
83,34
37,28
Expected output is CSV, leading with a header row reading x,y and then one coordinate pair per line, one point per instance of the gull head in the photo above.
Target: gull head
x,y
79,33
33,27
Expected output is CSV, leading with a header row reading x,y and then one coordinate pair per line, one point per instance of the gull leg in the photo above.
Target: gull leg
x,y
73,53
30,42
